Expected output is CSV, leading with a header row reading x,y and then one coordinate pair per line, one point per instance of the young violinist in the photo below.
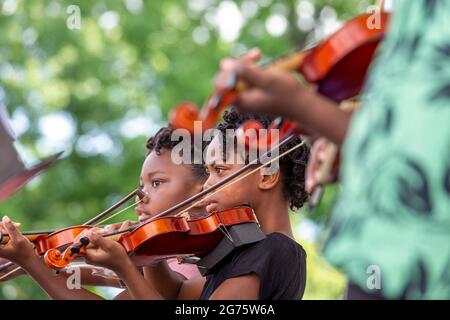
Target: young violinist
x,y
391,220
165,184
274,268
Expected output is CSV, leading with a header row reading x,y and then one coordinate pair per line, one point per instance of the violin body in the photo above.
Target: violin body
x,y
173,236
339,64
165,237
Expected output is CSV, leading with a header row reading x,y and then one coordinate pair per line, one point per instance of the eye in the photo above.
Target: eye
x,y
156,183
219,170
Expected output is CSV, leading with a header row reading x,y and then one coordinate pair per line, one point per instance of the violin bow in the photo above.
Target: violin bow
x,y
219,186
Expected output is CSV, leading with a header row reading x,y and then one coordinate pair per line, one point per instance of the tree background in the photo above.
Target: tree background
x,y
98,92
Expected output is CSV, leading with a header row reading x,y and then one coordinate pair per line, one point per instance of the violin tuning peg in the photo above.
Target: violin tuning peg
x,y
84,241
74,250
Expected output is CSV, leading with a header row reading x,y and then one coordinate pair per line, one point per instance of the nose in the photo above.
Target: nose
x,y
142,196
208,183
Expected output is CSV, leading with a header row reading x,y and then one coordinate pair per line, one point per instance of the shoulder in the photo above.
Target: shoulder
x,y
278,262
276,248
278,244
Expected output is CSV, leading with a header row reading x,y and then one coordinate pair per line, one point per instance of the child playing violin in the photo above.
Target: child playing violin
x,y
165,185
392,215
274,268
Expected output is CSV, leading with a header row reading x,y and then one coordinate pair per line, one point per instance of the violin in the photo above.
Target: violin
x,y
163,237
60,239
337,66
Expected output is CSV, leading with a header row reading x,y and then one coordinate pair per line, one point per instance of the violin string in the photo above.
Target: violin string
x,y
242,177
225,232
117,213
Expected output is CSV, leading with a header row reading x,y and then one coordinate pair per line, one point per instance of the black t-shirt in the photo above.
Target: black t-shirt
x,y
279,261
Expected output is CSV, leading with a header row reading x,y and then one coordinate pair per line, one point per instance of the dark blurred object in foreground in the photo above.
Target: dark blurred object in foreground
x,y
13,173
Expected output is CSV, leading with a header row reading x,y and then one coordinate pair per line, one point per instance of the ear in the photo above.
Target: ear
x,y
267,182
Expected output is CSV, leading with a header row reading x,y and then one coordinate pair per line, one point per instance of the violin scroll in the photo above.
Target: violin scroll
x,y
184,116
57,260
265,138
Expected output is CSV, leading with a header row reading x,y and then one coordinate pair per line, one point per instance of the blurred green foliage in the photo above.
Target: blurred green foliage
x,y
111,84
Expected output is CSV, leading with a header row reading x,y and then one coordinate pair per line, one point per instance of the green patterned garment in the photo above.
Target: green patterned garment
x,y
393,210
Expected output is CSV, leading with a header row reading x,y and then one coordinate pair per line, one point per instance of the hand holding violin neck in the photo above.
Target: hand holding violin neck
x,y
76,248
57,260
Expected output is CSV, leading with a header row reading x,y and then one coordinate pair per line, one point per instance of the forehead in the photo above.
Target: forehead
x,y
163,163
215,153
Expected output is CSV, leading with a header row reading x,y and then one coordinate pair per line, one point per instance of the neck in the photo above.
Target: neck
x,y
273,215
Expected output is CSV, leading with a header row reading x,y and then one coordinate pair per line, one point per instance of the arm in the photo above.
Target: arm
x,y
146,290
321,116
239,288
166,281
87,278
55,285
111,255
277,92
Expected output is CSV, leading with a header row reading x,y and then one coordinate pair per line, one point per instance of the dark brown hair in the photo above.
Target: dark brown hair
x,y
162,141
292,165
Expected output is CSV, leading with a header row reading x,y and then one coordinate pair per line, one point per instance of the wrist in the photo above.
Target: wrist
x,y
29,263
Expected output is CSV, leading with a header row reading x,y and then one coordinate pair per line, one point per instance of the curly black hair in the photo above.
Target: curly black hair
x,y
162,141
292,165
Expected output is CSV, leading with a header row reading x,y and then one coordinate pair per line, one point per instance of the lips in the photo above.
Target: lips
x,y
211,207
143,215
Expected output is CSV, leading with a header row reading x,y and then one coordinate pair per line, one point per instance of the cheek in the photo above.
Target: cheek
x,y
240,193
160,199
156,203
177,192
